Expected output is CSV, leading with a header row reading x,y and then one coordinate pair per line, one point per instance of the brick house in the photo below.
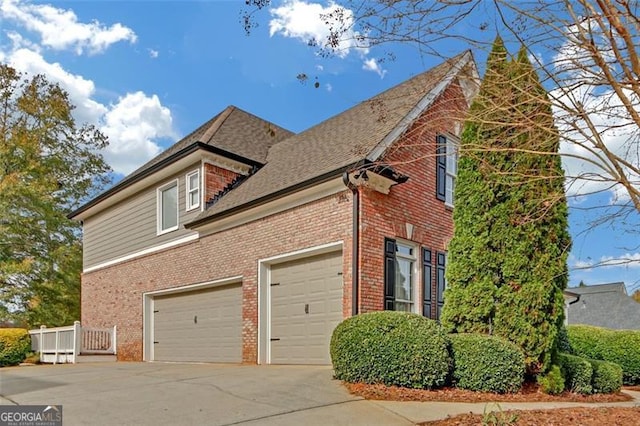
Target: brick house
x,y
246,243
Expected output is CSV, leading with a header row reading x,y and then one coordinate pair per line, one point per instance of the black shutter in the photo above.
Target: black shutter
x,y
426,283
441,167
440,280
389,274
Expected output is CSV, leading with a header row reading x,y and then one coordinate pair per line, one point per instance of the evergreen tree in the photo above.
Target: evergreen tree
x,y
507,260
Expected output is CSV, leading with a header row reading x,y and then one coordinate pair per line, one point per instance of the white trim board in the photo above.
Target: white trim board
x,y
144,252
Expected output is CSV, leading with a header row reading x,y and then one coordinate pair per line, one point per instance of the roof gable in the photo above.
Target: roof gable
x,y
327,149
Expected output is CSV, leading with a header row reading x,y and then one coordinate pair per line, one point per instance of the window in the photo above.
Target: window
x,y
447,168
400,276
452,170
168,207
193,190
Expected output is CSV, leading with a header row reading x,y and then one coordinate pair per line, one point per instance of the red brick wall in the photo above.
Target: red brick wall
x,y
412,202
216,179
114,295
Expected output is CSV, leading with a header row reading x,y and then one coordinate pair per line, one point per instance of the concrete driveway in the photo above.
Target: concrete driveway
x,y
185,394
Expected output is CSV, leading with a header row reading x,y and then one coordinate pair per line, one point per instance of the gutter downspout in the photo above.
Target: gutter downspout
x,y
355,257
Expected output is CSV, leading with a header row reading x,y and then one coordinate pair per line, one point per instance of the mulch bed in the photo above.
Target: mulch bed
x,y
530,393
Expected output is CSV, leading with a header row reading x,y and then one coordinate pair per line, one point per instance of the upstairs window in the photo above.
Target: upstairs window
x,y
193,190
168,207
447,168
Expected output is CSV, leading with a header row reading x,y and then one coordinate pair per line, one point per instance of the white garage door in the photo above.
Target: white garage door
x,y
306,305
199,326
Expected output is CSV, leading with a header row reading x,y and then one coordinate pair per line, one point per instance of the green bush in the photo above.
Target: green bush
x,y
15,344
607,376
563,341
577,373
552,382
619,346
486,363
392,348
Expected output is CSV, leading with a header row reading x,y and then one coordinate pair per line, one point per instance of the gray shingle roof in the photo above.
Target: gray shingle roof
x,y
334,144
604,305
233,130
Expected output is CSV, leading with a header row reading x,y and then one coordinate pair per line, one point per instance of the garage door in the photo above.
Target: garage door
x,y
199,326
306,305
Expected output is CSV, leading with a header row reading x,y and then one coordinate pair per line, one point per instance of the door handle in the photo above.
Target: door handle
x,y
306,308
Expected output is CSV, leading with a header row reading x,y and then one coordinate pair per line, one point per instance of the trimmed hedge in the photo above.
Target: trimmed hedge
x,y
392,348
486,363
577,373
607,376
619,346
15,344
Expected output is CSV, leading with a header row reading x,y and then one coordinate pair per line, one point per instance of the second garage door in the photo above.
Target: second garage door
x,y
199,326
306,305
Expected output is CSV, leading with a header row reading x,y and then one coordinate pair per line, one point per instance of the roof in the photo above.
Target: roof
x,y
342,141
234,133
604,305
599,288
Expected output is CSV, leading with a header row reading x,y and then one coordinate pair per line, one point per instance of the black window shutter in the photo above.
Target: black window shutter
x,y
389,274
441,167
440,280
426,283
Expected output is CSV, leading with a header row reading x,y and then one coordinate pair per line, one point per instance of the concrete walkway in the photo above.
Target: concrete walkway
x,y
216,394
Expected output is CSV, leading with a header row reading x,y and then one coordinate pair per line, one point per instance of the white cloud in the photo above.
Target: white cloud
x,y
59,29
132,126
329,87
153,53
581,88
373,65
313,23
80,89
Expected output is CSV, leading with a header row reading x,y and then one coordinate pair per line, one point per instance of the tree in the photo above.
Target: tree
x,y
586,52
636,296
48,166
508,257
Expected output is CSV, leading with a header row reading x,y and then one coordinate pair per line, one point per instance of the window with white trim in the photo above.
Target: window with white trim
x,y
452,170
405,278
193,190
400,276
168,207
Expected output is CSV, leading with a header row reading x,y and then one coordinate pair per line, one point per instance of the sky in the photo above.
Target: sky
x,y
149,72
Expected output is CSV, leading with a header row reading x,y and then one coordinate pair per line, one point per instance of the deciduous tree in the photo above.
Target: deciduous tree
x,y
48,166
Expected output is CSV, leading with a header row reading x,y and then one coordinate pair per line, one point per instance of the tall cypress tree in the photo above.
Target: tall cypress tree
x,y
507,260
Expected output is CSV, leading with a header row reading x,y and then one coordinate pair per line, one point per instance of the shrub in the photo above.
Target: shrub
x,y
577,373
552,382
15,343
392,348
486,363
619,346
563,341
607,376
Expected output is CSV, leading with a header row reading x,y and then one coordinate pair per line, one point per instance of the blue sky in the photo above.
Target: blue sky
x,y
149,72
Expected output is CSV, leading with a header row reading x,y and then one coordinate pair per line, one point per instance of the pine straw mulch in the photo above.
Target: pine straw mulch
x,y
583,416
609,416
529,393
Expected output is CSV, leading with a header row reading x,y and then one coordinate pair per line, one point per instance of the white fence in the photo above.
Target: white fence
x,y
65,344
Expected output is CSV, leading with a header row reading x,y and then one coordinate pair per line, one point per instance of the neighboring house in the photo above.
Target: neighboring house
x,y
603,305
246,243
